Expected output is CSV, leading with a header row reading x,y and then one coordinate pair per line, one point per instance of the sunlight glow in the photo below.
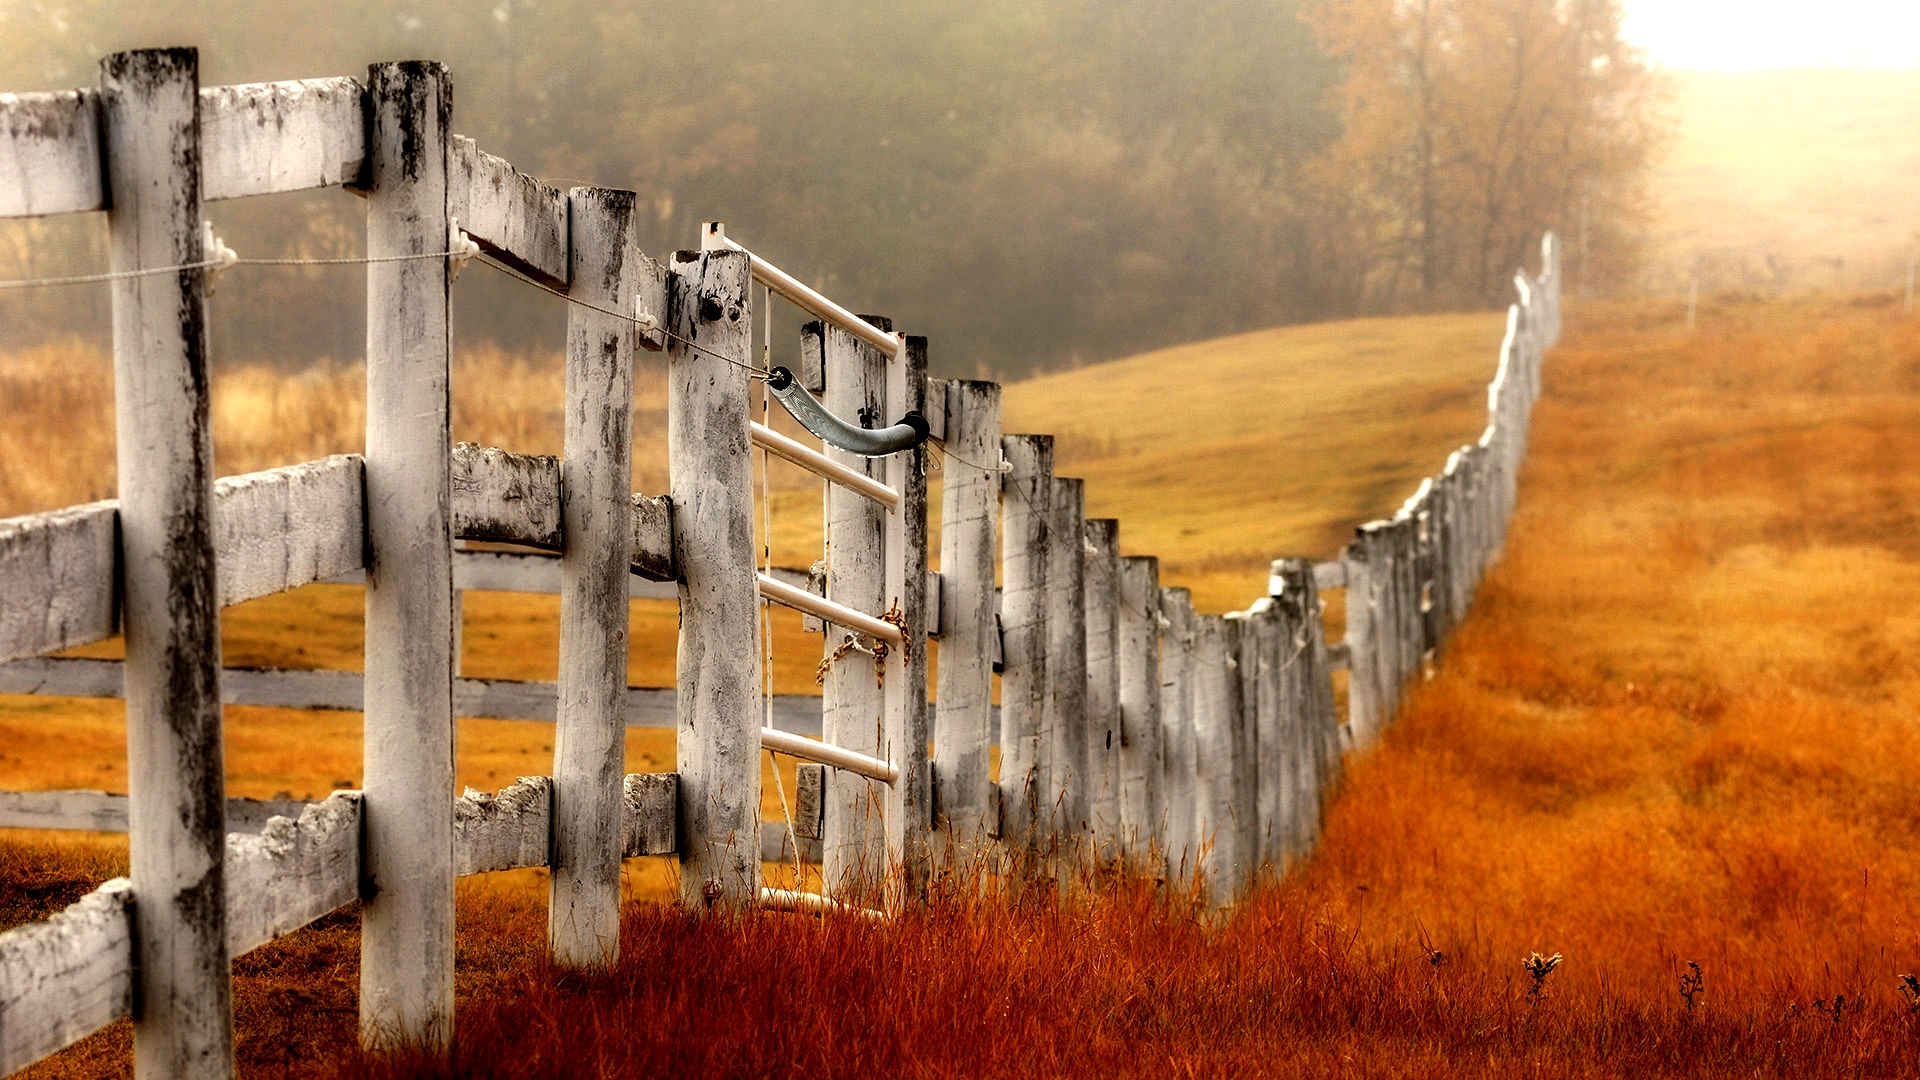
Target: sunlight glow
x,y
1747,35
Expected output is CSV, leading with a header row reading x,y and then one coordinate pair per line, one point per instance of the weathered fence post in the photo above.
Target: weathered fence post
x,y
969,540
1314,765
1246,664
406,935
596,477
1066,721
1139,661
854,696
1383,573
1482,510
1413,615
1268,688
1322,716
183,1019
1026,505
1216,705
711,465
1179,755
1424,526
1364,712
1453,541
908,801
1104,736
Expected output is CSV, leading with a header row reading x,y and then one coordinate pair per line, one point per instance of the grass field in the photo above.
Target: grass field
x,y
1676,728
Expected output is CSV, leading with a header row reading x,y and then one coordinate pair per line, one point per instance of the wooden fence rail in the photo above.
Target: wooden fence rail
x,y
1132,728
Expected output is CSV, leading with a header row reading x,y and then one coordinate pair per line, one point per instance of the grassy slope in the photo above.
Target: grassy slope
x,y
1223,455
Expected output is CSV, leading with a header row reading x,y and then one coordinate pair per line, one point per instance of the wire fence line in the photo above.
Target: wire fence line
x,y
1131,728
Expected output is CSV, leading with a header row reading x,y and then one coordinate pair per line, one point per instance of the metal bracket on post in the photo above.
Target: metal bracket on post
x,y
911,431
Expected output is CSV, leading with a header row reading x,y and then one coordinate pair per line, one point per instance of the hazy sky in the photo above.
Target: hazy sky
x,y
1742,35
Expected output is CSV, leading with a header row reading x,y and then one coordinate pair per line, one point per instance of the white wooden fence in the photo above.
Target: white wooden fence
x,y
1130,725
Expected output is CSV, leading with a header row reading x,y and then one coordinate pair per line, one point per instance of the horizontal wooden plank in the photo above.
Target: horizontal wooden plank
x,y
281,688
494,699
512,699
529,572
261,138
272,687
66,978
284,528
514,217
274,530
293,871
1327,575
506,497
50,154
505,831
101,811
57,579
255,139
652,557
650,814
93,811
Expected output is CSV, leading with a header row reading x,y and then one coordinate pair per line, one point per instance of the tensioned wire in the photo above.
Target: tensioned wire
x,y
760,372
216,264
210,264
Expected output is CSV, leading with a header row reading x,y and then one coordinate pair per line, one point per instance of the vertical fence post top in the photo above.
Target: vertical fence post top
x,y
180,61
412,69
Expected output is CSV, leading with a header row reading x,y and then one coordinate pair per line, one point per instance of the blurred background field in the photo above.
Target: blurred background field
x,y
1780,182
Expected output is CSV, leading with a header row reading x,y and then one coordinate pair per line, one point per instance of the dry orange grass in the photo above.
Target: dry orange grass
x,y
1677,727
1680,722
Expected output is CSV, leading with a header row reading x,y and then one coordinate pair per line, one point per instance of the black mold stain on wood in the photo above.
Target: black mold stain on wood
x,y
51,116
404,87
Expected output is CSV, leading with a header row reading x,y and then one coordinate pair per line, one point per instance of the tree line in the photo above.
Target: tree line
x,y
1033,183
